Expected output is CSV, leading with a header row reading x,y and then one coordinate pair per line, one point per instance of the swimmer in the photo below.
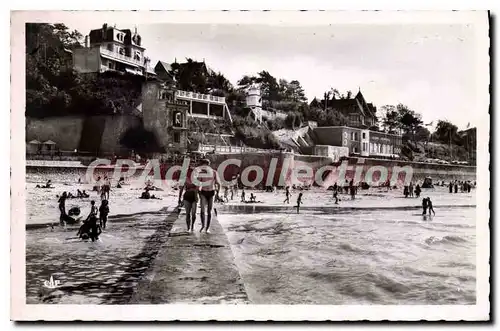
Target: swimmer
x,y
188,197
209,185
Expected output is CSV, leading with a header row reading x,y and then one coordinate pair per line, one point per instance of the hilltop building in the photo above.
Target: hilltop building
x,y
359,113
112,49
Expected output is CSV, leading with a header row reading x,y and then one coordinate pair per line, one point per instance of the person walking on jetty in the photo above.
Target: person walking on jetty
x,y
287,195
103,214
429,206
189,200
210,183
62,207
299,202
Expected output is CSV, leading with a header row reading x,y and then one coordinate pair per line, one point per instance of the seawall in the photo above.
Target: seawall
x,y
192,268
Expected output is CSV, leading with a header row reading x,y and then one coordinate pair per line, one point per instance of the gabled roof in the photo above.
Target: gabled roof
x,y
164,65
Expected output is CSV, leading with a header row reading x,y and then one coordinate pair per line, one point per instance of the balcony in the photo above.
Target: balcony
x,y
121,58
199,97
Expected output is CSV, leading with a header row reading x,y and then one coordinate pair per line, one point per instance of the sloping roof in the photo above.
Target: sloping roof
x,y
165,66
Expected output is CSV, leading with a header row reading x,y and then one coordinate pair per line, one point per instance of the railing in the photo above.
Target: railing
x,y
200,96
233,149
119,56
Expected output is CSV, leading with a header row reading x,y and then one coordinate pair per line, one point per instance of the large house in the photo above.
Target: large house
x,y
112,49
359,113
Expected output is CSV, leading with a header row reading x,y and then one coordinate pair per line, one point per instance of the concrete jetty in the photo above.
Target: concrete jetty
x,y
192,268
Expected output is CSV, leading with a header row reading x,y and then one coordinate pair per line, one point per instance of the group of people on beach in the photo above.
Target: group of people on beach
x,y
465,186
412,190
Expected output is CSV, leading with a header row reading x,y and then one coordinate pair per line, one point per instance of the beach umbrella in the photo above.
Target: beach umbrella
x,y
34,142
49,142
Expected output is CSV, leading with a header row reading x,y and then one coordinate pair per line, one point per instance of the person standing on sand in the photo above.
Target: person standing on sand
x,y
189,200
299,202
287,195
451,186
418,191
210,183
336,196
243,195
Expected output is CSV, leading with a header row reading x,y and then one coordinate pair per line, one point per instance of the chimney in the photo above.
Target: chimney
x,y
104,29
87,43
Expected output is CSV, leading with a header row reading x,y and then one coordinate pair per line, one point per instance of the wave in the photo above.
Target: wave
x,y
444,240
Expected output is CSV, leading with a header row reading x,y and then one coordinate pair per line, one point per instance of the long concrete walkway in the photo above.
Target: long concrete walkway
x,y
192,268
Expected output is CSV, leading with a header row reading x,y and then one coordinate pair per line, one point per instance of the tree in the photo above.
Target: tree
x,y
409,119
390,119
296,92
69,39
446,132
422,134
269,85
246,81
218,84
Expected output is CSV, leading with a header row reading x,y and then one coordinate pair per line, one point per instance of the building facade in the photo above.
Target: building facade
x,y
165,116
362,142
359,113
112,49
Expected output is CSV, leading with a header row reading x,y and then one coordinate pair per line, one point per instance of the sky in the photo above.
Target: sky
x,y
431,68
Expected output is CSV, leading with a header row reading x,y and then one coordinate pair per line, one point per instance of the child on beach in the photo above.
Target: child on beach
x,y
103,214
299,202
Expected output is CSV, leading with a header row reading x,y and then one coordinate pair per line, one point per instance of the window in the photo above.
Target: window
x,y
177,137
352,135
356,136
121,51
110,47
364,135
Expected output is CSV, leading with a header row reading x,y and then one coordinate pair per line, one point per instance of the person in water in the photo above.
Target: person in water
x,y
299,202
103,214
95,230
146,194
287,195
424,206
62,207
429,205
209,184
189,200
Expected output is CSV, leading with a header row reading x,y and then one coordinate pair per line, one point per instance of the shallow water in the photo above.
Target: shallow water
x,y
101,272
383,257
